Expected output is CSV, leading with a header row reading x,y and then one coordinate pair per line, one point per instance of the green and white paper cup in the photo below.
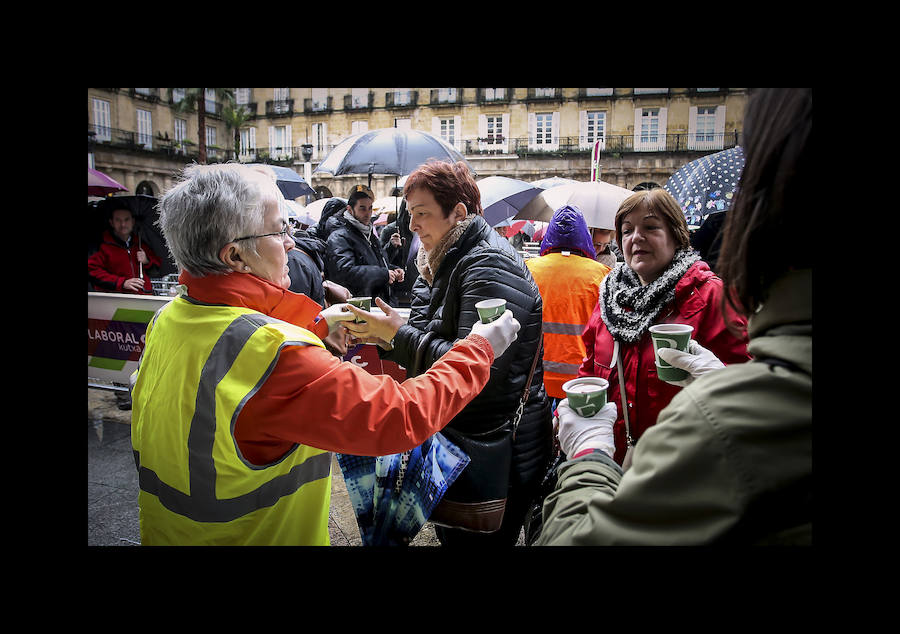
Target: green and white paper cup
x,y
364,303
670,336
490,309
587,395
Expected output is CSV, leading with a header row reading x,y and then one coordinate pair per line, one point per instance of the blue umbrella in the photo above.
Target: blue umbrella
x,y
393,496
503,197
291,184
386,151
707,185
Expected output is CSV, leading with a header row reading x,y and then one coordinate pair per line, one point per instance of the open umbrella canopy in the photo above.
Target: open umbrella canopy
x,y
552,181
299,214
99,184
598,201
386,151
315,208
387,204
707,184
503,197
291,184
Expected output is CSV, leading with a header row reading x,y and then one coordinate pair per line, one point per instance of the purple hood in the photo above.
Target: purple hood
x,y
568,230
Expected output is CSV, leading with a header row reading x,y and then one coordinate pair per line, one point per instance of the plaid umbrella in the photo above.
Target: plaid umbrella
x,y
393,496
707,184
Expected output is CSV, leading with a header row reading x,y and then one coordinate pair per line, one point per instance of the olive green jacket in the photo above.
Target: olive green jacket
x,y
729,460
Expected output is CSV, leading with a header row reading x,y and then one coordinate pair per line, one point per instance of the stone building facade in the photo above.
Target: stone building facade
x,y
138,136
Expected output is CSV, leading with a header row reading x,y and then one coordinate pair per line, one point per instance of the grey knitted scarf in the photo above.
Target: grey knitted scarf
x,y
627,308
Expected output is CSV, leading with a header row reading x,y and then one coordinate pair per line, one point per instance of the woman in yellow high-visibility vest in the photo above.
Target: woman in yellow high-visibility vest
x,y
237,404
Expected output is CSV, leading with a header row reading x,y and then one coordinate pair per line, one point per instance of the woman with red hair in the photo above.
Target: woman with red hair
x,y
462,261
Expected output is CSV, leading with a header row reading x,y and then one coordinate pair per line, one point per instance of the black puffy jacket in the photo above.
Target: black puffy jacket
x,y
357,263
482,265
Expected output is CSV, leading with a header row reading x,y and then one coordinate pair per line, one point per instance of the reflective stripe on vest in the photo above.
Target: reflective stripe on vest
x,y
201,504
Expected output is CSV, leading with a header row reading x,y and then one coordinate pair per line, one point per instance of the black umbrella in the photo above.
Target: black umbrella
x,y
145,213
387,151
707,185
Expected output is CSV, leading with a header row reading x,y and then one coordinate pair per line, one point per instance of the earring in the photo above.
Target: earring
x,y
458,222
246,267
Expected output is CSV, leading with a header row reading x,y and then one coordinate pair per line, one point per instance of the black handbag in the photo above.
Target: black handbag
x,y
476,501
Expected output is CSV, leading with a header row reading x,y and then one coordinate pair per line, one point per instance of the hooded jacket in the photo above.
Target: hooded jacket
x,y
697,303
478,266
729,461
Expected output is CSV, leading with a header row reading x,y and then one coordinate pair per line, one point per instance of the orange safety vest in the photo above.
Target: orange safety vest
x,y
570,287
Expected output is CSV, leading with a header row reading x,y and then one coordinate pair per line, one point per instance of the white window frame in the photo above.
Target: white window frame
x,y
180,133
209,100
403,123
241,96
248,144
177,95
493,132
650,129
211,140
448,129
282,150
319,99
319,134
358,127
545,92
494,94
359,98
446,95
543,131
598,92
101,120
280,97
402,96
592,124
700,139
144,128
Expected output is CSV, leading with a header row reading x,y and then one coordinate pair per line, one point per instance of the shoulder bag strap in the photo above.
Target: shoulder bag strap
x,y
521,408
622,394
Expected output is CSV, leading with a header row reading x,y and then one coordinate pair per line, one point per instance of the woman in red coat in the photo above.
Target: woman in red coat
x,y
662,280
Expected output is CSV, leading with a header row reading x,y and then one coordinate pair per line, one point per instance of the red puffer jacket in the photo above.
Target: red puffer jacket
x,y
697,303
113,264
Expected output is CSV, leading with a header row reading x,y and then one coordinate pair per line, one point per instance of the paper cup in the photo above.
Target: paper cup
x,y
490,309
670,336
364,303
587,395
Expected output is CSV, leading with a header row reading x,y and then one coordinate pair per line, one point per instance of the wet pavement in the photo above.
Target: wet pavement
x,y
113,484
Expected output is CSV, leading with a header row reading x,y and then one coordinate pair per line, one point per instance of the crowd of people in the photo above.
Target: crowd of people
x,y
241,395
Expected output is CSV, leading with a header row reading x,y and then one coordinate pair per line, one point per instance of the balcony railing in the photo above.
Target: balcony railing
x,y
520,146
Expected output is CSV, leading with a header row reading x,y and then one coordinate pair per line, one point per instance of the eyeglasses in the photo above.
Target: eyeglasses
x,y
284,231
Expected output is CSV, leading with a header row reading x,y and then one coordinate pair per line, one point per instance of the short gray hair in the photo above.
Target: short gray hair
x,y
210,206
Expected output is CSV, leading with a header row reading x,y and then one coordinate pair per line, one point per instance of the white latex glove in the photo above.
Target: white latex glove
x,y
335,314
500,333
577,433
697,361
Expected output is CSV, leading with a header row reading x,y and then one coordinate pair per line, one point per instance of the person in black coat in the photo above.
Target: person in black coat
x,y
354,257
402,255
334,207
461,262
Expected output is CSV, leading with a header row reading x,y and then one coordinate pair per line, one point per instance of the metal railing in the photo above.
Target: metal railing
x,y
520,146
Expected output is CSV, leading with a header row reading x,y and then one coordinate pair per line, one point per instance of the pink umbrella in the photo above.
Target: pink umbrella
x,y
99,184
539,234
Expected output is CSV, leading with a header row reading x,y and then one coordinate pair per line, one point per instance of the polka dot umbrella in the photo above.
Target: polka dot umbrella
x,y
707,184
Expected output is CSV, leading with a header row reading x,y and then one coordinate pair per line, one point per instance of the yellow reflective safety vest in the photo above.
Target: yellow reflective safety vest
x,y
570,288
200,364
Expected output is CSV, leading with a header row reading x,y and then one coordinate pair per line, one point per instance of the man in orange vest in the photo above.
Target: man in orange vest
x,y
568,278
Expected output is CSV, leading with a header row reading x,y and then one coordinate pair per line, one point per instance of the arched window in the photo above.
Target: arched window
x,y
145,187
645,185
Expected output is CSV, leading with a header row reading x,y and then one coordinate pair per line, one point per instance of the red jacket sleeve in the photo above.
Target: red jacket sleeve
x,y
314,399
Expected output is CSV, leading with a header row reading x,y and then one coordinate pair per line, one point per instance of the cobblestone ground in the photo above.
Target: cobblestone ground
x,y
112,484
